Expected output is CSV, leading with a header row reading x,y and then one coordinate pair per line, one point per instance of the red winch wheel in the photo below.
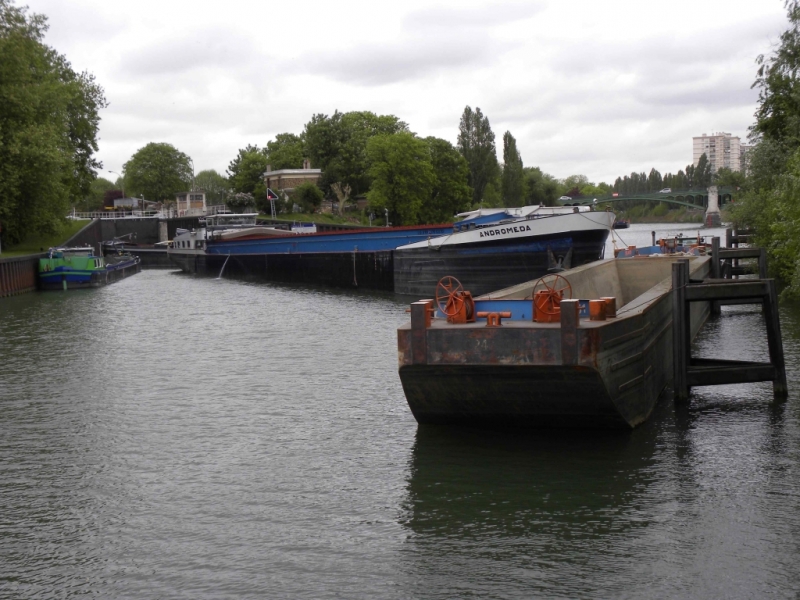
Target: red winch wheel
x,y
449,295
549,299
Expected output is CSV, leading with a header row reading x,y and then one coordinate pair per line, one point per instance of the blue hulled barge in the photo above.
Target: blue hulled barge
x,y
493,248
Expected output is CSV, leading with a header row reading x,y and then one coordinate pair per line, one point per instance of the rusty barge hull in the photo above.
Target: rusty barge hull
x,y
606,374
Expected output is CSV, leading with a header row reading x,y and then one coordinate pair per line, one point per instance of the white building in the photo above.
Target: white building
x,y
191,204
722,150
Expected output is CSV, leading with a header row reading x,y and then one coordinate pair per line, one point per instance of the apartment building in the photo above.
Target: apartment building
x,y
722,150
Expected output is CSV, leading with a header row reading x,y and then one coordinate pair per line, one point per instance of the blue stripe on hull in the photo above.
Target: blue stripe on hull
x,y
364,241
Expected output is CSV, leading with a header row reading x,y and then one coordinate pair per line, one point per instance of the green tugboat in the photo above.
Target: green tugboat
x,y
76,268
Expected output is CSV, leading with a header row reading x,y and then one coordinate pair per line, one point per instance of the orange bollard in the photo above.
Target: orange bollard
x,y
611,306
597,310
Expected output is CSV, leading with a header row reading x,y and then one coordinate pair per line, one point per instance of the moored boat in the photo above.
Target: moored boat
x,y
512,244
76,268
499,255
490,363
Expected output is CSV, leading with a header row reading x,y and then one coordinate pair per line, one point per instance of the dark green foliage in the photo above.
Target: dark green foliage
x,y
307,196
97,191
771,203
540,188
48,128
246,173
727,178
402,176
338,145
476,145
157,171
286,151
451,193
702,173
213,184
512,181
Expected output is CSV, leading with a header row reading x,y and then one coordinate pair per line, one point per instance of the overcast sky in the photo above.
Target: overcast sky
x,y
595,87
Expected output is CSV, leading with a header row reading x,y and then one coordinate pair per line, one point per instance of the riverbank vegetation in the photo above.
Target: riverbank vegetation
x,y
48,128
36,242
771,202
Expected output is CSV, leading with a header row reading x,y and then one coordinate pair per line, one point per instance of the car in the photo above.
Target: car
x,y
665,191
565,199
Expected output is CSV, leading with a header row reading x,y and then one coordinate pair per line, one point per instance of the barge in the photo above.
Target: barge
x,y
598,354
488,250
78,268
502,254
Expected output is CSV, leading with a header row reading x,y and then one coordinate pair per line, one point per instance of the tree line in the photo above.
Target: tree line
x,y
361,155
771,201
48,128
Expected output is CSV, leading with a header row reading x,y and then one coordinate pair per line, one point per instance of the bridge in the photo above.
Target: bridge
x,y
696,198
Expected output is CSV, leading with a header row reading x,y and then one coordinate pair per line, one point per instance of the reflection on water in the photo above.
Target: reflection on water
x,y
171,436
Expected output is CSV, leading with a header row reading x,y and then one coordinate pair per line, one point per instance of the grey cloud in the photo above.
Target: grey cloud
x,y
665,53
483,17
436,39
201,50
412,58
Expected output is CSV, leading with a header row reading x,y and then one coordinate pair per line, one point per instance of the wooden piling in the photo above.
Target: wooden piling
x,y
680,325
775,341
690,371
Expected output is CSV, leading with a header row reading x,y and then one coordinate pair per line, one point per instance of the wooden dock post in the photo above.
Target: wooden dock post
x,y
716,269
680,328
775,340
688,371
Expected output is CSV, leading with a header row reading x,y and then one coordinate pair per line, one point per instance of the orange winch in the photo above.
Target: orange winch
x,y
547,302
454,302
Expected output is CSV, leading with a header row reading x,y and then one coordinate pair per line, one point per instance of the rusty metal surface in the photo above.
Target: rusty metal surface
x,y
519,396
524,371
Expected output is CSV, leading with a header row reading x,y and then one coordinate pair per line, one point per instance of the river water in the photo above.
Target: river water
x,y
180,437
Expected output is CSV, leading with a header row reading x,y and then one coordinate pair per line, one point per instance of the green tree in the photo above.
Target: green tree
x,y
48,128
286,151
540,188
246,173
770,203
451,193
476,145
402,176
94,199
702,172
725,177
213,184
654,181
157,171
513,183
307,196
338,145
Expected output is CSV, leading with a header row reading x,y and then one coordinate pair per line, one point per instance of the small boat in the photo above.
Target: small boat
x,y
588,347
622,224
76,268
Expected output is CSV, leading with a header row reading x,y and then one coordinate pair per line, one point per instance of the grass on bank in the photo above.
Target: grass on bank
x,y
37,243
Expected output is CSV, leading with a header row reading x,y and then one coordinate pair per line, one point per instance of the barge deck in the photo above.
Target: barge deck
x,y
575,372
